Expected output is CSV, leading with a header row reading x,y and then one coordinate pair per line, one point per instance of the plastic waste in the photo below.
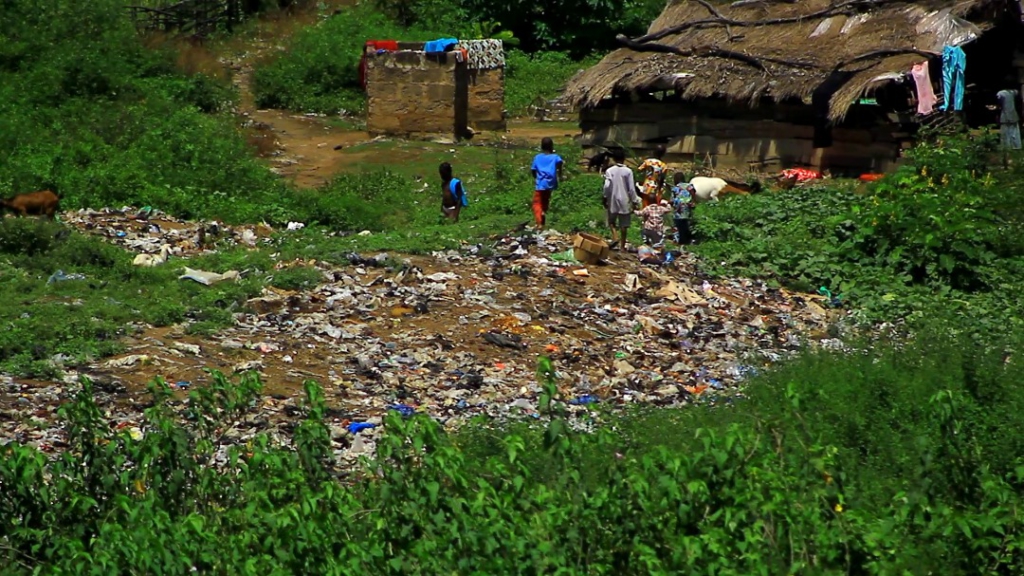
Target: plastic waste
x,y
357,427
60,276
208,278
567,256
405,410
583,400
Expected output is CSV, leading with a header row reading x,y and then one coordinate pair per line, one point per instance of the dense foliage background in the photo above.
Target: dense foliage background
x,y
579,27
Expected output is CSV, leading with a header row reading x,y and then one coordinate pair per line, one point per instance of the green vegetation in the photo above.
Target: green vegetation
x,y
907,461
320,70
84,319
579,27
529,77
88,111
941,235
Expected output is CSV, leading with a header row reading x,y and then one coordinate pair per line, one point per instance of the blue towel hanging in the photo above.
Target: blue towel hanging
x,y
439,45
954,62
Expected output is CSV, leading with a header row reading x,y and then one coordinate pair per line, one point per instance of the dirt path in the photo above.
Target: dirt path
x,y
301,148
309,150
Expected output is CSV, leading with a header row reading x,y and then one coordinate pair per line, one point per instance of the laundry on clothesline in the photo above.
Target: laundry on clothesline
x,y
925,94
484,54
954,62
439,45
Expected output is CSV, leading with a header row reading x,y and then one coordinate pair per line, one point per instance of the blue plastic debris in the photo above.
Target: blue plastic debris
x,y
120,234
403,409
183,384
357,427
585,399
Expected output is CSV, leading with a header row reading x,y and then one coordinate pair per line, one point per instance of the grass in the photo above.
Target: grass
x,y
85,319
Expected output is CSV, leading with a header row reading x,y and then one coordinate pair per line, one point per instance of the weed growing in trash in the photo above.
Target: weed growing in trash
x,y
900,460
939,236
74,318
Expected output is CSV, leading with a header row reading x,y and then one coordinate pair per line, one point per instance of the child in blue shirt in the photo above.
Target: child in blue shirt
x,y
547,170
452,194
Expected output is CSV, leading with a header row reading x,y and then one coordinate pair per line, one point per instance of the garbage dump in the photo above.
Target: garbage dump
x,y
452,335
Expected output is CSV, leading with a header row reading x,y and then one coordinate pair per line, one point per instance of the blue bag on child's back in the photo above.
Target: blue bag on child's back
x,y
462,198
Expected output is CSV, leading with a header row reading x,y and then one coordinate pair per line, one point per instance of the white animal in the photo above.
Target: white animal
x,y
709,188
150,260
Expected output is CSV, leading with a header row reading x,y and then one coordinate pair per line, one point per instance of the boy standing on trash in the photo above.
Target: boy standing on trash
x,y
682,204
653,223
619,197
654,170
547,170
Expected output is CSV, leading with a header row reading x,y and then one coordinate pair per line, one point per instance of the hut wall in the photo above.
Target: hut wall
x,y
415,93
767,137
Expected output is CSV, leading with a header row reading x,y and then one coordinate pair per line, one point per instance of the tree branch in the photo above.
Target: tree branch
x,y
710,51
721,20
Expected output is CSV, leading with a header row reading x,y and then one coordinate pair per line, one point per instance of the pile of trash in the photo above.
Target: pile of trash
x,y
454,335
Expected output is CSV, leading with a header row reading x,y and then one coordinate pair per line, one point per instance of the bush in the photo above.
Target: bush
x,y
88,111
933,236
935,219
540,76
319,72
578,27
895,461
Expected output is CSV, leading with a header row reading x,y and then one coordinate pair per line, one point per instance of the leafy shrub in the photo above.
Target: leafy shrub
x,y
933,236
319,72
895,461
934,219
444,15
539,76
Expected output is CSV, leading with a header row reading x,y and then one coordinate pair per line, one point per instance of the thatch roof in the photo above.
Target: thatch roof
x,y
751,49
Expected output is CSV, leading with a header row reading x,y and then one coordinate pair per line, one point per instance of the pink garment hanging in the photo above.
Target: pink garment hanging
x,y
925,95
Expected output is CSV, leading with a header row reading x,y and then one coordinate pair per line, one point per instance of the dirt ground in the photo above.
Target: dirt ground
x,y
309,150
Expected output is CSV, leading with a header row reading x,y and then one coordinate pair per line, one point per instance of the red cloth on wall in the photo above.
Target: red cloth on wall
x,y
374,45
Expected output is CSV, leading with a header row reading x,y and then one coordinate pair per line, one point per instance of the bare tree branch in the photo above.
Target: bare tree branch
x,y
721,20
712,52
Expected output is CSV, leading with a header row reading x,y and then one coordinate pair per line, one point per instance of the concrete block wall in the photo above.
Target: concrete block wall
x,y
415,93
487,99
410,93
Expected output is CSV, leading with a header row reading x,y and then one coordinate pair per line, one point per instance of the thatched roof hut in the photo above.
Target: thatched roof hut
x,y
753,49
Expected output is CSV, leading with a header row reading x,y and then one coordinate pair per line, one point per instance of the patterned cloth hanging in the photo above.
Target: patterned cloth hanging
x,y
484,54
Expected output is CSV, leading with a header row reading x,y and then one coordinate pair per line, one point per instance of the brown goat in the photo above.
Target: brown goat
x,y
42,203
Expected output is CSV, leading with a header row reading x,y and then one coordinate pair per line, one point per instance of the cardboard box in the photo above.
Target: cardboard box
x,y
590,249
